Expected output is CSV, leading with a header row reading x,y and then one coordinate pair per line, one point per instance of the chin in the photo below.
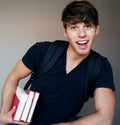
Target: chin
x,y
84,52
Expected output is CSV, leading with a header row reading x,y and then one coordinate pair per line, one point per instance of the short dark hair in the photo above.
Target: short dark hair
x,y
80,11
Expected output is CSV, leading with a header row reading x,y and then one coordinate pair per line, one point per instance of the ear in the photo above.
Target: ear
x,y
65,34
97,29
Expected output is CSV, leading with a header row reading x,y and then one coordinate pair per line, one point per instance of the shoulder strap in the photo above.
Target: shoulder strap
x,y
94,67
53,53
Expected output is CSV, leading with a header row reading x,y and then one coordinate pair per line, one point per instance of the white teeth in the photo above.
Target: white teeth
x,y
82,42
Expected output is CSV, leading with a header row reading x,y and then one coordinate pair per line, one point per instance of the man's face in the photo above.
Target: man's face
x,y
81,37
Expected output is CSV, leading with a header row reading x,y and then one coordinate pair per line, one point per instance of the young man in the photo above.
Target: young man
x,y
62,88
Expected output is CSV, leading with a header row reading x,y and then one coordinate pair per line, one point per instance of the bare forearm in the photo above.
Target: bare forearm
x,y
93,119
19,72
7,94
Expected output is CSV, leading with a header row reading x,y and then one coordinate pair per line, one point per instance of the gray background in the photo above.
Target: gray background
x,y
23,22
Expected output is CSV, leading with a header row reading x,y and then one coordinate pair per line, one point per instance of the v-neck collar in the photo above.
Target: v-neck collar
x,y
65,61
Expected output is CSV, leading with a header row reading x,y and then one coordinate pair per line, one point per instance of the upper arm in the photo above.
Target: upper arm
x,y
19,71
105,102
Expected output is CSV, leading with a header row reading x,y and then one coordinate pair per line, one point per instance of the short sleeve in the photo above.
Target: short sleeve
x,y
105,79
34,55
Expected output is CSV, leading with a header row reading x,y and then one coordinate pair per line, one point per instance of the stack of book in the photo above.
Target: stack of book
x,y
25,102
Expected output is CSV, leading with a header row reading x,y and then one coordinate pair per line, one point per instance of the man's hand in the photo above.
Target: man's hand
x,y
7,118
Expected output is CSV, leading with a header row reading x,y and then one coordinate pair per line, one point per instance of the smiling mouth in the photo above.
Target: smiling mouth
x,y
82,44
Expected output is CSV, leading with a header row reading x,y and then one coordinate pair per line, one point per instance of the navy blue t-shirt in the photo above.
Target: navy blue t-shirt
x,y
62,94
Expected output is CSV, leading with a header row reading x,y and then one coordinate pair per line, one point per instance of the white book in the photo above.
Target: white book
x,y
19,102
25,102
27,106
35,98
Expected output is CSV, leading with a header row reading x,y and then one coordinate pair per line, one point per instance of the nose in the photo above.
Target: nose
x,y
81,32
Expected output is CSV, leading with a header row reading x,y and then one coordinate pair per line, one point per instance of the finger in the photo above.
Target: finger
x,y
12,110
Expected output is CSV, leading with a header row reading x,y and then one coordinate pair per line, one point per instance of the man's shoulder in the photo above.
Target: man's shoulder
x,y
97,55
93,52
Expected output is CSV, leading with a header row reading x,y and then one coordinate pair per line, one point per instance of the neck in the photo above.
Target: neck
x,y
74,56
73,59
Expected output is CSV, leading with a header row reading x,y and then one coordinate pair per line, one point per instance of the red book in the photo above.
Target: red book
x,y
25,102
19,101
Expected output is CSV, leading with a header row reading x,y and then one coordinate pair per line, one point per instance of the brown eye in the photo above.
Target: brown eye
x,y
74,27
88,26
